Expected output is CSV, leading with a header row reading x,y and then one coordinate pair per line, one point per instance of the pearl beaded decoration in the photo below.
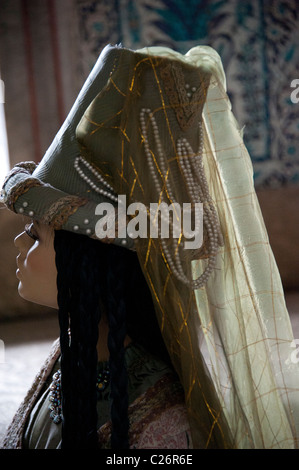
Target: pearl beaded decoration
x,y
157,180
109,193
154,169
189,90
197,187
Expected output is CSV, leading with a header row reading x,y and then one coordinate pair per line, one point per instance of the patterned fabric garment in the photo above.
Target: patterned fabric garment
x,y
157,413
158,419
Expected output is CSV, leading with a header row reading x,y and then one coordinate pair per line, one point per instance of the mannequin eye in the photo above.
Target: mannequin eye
x,y
29,230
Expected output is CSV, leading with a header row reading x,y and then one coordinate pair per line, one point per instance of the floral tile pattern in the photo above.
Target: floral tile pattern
x,y
258,42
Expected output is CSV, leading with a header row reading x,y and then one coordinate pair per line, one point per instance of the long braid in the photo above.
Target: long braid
x,y
117,332
63,252
79,371
87,290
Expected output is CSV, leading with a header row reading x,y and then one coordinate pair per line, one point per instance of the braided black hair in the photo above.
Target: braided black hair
x,y
117,332
78,300
93,274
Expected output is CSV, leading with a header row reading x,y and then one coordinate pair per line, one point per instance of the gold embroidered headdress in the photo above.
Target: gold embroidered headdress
x,y
157,127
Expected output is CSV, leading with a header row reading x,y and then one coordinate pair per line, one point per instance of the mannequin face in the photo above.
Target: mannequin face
x,y
36,265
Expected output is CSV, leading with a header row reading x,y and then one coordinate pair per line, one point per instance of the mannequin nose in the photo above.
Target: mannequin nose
x,y
22,242
17,240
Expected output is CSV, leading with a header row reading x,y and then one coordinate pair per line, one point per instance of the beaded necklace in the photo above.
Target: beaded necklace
x,y
103,379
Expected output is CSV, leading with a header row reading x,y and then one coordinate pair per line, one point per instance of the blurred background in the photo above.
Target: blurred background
x,y
47,49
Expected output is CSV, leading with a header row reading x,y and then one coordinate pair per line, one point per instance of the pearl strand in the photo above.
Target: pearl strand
x,y
109,194
194,167
155,178
184,151
153,171
209,208
198,191
176,267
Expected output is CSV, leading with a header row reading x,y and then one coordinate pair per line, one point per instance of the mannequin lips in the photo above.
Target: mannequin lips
x,y
18,271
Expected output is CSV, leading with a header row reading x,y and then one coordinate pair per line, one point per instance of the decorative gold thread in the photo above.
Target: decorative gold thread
x,y
116,87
